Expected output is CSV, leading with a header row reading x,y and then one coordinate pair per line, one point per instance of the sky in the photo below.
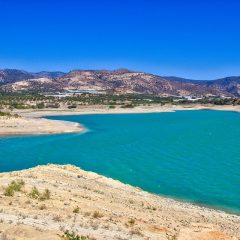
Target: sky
x,y
192,39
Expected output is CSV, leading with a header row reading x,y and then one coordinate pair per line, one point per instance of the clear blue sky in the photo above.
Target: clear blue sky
x,y
194,39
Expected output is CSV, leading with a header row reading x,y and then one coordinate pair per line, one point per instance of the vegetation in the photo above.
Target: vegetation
x,y
76,210
131,221
40,105
4,114
72,236
37,101
45,195
14,186
171,237
97,214
7,114
128,106
35,194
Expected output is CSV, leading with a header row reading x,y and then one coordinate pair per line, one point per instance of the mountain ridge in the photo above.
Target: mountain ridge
x,y
119,81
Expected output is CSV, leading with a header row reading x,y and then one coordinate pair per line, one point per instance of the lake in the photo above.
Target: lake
x,y
192,156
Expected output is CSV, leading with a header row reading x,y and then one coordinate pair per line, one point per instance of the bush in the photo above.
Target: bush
x,y
4,114
128,106
72,106
9,192
53,105
42,207
14,186
131,221
72,236
45,195
76,210
19,106
40,105
35,194
97,214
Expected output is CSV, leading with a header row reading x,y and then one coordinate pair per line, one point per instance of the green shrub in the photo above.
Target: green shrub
x,y
97,214
40,105
14,186
45,195
35,194
128,106
76,210
9,192
171,237
53,105
72,106
72,236
131,221
4,114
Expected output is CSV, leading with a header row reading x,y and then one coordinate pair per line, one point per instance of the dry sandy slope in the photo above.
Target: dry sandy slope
x,y
108,209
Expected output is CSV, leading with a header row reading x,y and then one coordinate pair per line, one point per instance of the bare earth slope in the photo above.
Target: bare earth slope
x,y
102,208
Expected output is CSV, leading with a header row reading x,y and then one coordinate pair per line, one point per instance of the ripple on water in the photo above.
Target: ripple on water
x,y
190,155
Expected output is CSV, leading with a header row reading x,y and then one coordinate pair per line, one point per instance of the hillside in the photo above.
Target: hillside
x,y
13,75
119,81
101,208
229,85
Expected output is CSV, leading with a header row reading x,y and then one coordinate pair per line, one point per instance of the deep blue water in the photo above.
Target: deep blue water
x,y
188,155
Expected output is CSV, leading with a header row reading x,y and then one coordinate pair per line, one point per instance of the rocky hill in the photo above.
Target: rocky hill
x,y
13,75
230,85
118,81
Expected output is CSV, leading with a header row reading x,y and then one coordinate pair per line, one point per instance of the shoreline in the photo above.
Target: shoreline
x,y
162,215
102,109
181,201
24,126
34,122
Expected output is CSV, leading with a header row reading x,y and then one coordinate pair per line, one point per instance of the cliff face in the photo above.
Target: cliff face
x,y
101,208
119,81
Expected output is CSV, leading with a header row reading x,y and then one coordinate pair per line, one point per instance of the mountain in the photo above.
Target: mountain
x,y
13,75
120,81
179,79
49,74
230,85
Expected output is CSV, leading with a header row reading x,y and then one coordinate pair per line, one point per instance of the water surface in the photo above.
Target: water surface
x,y
188,155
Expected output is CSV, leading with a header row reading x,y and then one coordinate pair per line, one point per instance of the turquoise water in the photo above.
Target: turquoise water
x,y
188,155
